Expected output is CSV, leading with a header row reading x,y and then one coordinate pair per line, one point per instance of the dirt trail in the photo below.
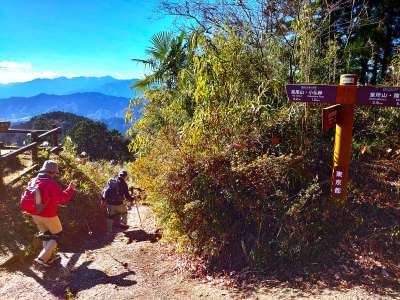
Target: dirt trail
x,y
129,265
135,265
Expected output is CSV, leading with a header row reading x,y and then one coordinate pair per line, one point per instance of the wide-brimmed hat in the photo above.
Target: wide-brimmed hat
x,y
50,166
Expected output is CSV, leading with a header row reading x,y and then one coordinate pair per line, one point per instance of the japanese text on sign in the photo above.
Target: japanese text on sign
x,y
311,93
384,96
337,182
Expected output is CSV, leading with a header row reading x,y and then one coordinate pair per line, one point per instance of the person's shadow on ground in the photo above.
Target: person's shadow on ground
x,y
142,236
84,278
58,279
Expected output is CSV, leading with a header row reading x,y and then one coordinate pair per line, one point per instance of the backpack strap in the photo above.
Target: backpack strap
x,y
32,183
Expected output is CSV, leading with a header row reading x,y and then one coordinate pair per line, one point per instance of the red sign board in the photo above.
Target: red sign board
x,y
338,182
383,96
330,116
314,93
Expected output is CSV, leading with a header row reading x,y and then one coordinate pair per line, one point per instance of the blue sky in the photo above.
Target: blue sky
x,y
50,38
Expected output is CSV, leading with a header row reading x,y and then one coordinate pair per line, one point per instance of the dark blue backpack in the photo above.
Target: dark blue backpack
x,y
111,192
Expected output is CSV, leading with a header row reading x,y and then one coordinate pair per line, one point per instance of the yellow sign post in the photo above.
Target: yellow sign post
x,y
347,94
343,138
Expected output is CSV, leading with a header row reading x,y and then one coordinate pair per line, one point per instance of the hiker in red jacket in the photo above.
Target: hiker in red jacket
x,y
47,220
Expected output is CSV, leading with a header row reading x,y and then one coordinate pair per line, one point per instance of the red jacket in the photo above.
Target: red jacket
x,y
52,195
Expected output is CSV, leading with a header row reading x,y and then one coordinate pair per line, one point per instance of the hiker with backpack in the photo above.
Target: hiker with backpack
x,y
41,199
113,198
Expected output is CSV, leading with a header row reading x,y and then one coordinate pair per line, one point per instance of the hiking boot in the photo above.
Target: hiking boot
x,y
40,262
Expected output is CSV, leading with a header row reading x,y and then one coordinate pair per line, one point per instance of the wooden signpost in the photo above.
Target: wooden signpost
x,y
4,126
345,96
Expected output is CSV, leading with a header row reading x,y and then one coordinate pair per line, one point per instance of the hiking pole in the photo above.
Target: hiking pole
x,y
137,208
140,219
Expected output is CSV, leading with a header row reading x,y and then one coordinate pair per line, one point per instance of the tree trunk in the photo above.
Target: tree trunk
x,y
364,70
375,64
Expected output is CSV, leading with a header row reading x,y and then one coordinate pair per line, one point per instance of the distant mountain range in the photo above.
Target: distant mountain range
x,y
103,99
96,106
64,86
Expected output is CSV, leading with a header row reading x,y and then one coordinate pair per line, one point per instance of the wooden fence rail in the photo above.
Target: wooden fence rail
x,y
17,130
37,137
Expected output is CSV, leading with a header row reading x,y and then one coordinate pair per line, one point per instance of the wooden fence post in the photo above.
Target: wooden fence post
x,y
35,159
1,174
2,164
55,137
1,168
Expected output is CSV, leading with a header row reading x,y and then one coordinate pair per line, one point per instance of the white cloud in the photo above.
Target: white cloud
x,y
11,71
12,65
21,76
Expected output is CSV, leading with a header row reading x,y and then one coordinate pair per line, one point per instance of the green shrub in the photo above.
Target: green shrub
x,y
231,168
